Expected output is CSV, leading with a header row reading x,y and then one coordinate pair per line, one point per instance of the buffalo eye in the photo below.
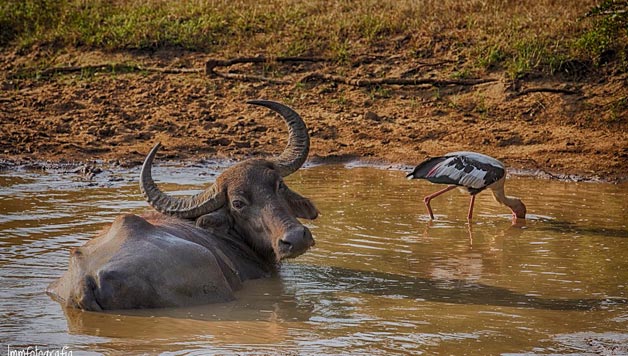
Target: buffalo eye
x,y
237,204
281,186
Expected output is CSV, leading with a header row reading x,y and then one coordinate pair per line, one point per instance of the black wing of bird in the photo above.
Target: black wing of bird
x,y
472,171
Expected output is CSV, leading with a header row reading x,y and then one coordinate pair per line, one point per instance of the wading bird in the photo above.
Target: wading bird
x,y
471,170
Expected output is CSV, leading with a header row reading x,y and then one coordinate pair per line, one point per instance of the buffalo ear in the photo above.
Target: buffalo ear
x,y
301,206
217,220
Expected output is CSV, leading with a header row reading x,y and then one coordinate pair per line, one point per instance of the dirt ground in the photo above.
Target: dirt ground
x,y
116,117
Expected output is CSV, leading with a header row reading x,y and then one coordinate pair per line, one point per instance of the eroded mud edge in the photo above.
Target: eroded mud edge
x,y
92,169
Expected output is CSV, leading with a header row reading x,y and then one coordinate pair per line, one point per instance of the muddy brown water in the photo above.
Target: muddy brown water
x,y
381,279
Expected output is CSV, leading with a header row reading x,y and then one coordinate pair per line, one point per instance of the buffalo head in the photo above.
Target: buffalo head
x,y
250,199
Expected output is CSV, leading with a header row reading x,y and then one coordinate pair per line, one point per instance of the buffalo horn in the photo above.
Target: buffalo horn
x,y
189,207
296,151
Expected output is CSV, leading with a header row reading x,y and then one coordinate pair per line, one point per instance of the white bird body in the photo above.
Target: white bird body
x,y
471,171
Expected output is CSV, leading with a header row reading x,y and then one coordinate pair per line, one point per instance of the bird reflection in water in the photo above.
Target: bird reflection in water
x,y
513,230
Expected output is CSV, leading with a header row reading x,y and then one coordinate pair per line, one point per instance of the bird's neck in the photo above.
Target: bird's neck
x,y
515,204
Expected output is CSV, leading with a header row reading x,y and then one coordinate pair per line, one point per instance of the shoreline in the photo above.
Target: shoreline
x,y
96,166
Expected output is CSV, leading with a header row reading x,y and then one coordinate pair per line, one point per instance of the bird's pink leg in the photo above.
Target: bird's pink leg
x,y
427,199
470,214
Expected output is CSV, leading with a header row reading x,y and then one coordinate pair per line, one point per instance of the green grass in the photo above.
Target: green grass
x,y
536,36
607,37
618,110
490,57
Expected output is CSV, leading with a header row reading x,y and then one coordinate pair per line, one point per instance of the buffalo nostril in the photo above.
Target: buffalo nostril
x,y
285,245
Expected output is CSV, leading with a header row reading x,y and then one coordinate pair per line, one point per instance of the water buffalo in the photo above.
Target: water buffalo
x,y
197,249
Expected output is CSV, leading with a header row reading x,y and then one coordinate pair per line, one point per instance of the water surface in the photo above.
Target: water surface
x,y
382,278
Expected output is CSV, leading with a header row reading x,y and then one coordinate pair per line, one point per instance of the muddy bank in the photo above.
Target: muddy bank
x,y
115,118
